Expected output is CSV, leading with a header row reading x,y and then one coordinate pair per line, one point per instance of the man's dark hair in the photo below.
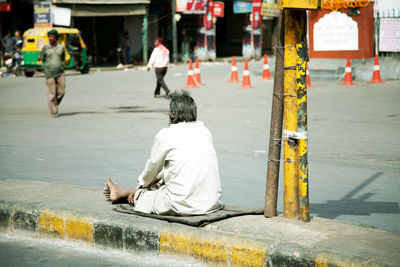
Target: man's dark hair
x,y
182,108
160,40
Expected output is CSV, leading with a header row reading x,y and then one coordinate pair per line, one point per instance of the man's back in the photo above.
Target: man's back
x,y
190,171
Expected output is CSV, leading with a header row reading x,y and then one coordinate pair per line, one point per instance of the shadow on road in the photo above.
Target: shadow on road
x,y
80,113
125,109
354,206
138,109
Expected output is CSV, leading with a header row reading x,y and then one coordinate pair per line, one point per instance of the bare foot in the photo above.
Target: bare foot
x,y
113,192
106,191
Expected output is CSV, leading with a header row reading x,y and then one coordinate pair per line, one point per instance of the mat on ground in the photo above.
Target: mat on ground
x,y
195,220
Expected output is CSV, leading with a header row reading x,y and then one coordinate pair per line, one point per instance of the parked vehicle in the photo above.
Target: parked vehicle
x,y
70,38
12,63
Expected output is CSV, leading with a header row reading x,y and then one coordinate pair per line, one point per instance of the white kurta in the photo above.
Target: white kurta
x,y
183,155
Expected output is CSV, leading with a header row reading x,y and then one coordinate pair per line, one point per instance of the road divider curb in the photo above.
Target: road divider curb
x,y
242,241
197,243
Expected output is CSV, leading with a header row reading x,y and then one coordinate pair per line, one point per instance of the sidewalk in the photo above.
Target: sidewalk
x,y
47,210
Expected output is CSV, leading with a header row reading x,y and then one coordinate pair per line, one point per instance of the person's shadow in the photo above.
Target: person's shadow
x,y
360,205
122,109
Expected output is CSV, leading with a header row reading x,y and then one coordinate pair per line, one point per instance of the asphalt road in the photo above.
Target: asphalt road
x,y
27,251
109,119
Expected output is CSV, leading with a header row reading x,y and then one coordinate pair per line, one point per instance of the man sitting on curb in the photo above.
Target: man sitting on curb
x,y
181,177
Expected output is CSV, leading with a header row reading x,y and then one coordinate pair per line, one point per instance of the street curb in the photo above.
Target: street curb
x,y
200,243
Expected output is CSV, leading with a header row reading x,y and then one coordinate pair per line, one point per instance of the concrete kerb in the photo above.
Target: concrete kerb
x,y
209,246
137,234
45,210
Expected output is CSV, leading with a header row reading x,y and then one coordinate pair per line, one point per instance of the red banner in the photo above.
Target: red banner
x,y
256,10
5,7
196,7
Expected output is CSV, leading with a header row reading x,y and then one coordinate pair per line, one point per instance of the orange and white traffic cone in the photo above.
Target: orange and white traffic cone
x,y
246,76
190,81
376,75
348,79
234,71
266,74
197,72
308,81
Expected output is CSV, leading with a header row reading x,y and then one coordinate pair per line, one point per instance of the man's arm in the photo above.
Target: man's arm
x,y
155,163
152,58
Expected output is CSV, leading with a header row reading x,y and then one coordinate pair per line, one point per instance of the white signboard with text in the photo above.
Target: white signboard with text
x,y
335,32
389,35
61,16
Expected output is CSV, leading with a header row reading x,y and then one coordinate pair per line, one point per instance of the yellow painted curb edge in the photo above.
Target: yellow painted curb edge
x,y
230,250
66,225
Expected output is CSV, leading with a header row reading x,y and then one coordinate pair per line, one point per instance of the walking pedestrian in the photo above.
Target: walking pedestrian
x,y
53,57
159,58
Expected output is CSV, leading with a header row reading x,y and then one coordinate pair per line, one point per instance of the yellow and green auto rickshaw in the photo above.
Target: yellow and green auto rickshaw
x,y
70,38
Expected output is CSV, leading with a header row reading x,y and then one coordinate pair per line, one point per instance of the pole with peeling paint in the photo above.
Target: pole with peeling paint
x,y
294,33
302,132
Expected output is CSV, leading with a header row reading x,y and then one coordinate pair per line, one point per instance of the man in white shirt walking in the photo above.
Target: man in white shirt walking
x,y
159,58
181,177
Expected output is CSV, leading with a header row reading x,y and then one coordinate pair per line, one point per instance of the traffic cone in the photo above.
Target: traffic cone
x,y
197,72
246,76
234,73
308,81
348,79
376,75
266,74
190,81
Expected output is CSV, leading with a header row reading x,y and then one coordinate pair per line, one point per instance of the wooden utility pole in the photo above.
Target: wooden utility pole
x,y
275,140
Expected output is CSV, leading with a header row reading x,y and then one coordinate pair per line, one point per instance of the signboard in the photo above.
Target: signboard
x,y
180,5
389,35
335,32
5,6
61,16
241,7
270,10
218,9
196,7
41,14
256,9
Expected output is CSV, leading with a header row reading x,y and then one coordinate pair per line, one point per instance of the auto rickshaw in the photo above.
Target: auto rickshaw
x,y
70,38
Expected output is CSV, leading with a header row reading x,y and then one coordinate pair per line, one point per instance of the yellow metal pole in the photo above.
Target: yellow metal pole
x,y
293,32
302,132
